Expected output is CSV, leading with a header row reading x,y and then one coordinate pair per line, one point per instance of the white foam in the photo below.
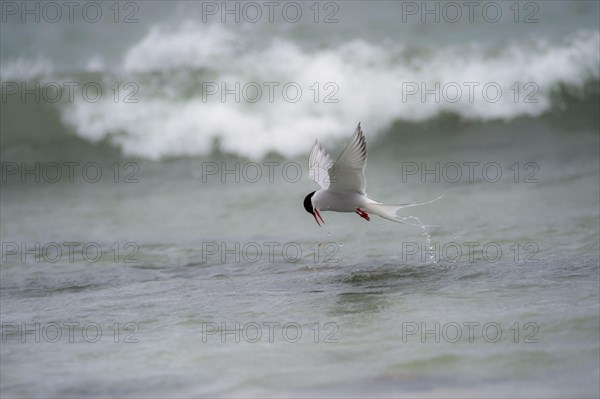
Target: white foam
x,y
370,78
96,64
189,46
24,69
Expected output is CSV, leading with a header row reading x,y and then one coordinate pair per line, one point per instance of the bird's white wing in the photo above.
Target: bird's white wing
x,y
319,163
348,172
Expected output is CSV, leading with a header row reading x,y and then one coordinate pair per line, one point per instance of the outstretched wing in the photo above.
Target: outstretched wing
x,y
319,163
348,172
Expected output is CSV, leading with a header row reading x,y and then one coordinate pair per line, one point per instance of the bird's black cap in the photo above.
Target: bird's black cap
x,y
308,203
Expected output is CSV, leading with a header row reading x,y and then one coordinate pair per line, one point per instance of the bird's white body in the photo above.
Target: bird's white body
x,y
343,183
326,200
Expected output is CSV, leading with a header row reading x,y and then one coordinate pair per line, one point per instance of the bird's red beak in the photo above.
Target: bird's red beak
x,y
315,214
316,220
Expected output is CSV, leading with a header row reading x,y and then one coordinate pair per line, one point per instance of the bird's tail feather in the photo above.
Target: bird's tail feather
x,y
389,211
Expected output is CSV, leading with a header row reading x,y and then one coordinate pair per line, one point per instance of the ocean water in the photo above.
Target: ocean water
x,y
153,239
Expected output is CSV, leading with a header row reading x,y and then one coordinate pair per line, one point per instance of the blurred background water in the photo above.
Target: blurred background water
x,y
192,241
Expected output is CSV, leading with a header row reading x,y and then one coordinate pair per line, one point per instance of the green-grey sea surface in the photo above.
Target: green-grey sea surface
x,y
189,267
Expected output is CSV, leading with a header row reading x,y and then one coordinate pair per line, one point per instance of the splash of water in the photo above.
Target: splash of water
x,y
426,233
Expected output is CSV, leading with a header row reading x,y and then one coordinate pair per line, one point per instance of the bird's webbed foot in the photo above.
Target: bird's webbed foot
x,y
363,214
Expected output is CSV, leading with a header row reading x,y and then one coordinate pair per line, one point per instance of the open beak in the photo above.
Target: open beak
x,y
316,220
315,214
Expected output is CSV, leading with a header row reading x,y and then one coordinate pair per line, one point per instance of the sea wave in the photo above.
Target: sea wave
x,y
183,73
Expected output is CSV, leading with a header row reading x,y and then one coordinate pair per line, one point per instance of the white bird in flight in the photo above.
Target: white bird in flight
x,y
343,183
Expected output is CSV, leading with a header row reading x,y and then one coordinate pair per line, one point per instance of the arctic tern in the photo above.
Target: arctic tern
x,y
343,183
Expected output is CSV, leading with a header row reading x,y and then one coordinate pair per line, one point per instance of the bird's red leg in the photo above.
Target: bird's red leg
x,y
363,214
